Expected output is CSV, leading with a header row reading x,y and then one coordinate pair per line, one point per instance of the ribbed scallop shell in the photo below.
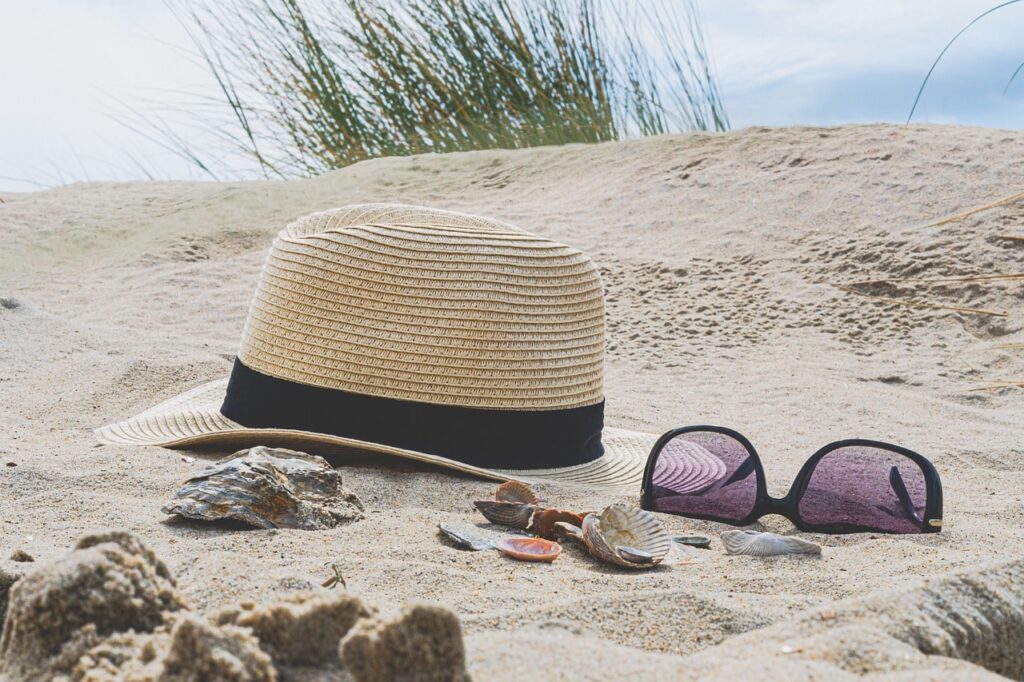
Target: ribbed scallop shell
x,y
620,526
508,514
752,543
516,492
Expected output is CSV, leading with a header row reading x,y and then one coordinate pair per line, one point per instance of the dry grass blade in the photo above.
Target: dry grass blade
x,y
1010,237
1010,276
966,214
923,304
994,385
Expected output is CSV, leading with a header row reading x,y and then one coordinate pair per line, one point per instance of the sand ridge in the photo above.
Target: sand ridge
x,y
719,255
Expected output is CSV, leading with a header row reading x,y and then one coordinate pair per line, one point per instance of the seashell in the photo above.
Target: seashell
x,y
268,488
467,537
529,549
620,527
752,543
517,492
568,530
636,556
544,520
691,468
701,541
511,514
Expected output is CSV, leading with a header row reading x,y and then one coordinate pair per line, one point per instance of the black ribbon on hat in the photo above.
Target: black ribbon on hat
x,y
487,438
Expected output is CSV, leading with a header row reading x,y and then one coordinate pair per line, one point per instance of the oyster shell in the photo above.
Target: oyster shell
x,y
268,488
626,536
753,543
516,492
529,549
511,514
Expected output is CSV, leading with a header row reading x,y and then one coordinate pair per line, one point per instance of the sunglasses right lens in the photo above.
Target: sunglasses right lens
x,y
866,488
704,474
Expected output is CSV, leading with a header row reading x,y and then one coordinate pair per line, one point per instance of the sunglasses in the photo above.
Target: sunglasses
x,y
849,486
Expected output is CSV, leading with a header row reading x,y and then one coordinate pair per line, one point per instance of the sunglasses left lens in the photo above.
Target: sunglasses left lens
x,y
704,474
866,488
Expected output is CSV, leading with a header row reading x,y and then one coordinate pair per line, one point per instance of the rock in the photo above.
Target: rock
x,y
424,644
301,629
7,580
193,651
111,582
9,303
22,556
269,488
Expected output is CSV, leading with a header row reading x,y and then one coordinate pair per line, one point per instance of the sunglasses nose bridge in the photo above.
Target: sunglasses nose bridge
x,y
781,506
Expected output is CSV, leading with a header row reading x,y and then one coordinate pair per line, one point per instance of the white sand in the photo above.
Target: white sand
x,y
720,254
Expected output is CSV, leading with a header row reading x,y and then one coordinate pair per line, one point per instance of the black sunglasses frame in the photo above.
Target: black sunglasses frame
x,y
789,505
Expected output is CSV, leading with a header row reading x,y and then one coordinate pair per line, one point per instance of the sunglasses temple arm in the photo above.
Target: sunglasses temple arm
x,y
896,481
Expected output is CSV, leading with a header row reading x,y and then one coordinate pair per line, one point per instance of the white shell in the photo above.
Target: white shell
x,y
620,527
752,543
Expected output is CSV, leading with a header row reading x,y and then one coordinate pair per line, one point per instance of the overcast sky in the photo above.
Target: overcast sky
x,y
71,67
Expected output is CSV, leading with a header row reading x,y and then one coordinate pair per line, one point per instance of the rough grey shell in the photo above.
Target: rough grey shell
x,y
626,536
268,488
511,514
467,537
752,543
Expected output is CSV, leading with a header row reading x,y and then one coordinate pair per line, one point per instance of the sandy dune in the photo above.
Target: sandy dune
x,y
720,256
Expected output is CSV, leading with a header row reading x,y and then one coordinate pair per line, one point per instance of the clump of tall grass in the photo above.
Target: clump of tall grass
x,y
313,85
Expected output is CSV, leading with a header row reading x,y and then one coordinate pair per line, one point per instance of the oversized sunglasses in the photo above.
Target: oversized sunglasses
x,y
849,486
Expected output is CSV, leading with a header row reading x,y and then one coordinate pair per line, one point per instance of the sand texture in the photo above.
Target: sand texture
x,y
724,259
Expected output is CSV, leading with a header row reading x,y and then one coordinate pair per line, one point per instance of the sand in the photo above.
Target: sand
x,y
721,256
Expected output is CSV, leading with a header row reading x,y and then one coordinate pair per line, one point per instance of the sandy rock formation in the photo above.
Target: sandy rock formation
x,y
301,629
109,583
424,644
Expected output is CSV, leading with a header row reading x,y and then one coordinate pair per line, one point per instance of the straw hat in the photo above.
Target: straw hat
x,y
436,336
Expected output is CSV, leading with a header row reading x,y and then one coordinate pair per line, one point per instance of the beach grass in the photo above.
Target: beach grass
x,y
313,86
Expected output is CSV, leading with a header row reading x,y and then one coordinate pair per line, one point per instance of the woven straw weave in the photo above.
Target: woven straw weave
x,y
431,306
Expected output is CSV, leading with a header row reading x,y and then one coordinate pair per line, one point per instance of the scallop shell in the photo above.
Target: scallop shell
x,y
752,543
529,549
544,520
511,514
517,492
626,536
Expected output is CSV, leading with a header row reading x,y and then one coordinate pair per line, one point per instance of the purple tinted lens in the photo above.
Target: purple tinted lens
x,y
704,473
868,488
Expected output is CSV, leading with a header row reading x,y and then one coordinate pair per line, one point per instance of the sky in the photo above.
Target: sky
x,y
75,70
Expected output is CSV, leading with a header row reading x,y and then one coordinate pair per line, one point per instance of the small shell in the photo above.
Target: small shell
x,y
701,541
636,556
752,543
568,530
466,537
517,492
544,520
529,549
509,514
620,527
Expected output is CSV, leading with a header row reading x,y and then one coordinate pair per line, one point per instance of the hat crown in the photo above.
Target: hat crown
x,y
430,306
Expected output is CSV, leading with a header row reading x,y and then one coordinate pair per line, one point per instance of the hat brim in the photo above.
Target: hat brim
x,y
193,419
